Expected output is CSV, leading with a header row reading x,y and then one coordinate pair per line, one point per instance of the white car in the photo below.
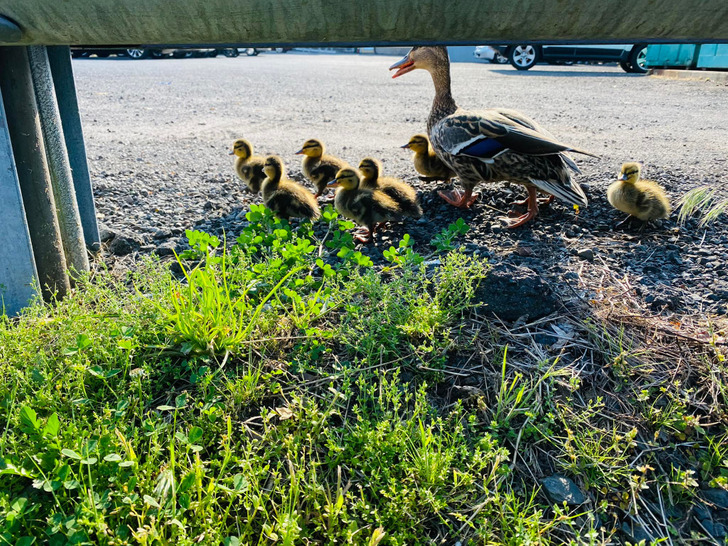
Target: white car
x,y
490,54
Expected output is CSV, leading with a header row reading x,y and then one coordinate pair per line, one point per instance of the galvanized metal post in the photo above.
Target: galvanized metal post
x,y
18,277
64,193
60,61
30,161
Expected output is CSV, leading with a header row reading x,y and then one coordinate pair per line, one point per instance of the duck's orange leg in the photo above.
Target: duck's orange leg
x,y
457,198
531,213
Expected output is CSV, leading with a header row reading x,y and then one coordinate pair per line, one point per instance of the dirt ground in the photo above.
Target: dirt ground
x,y
158,134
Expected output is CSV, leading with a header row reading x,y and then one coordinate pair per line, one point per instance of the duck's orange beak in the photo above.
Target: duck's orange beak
x,y
404,65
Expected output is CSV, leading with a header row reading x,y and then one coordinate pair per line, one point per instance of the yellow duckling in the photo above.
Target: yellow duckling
x,y
643,199
427,163
248,166
368,208
403,194
319,167
285,197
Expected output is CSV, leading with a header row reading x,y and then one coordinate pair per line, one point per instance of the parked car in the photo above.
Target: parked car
x,y
144,52
631,57
490,54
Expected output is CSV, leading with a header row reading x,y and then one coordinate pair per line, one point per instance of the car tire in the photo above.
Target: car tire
x,y
499,59
524,56
231,52
624,65
251,51
137,53
637,59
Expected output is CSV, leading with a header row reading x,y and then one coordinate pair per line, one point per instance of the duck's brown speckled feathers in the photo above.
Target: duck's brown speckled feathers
x,y
284,197
402,193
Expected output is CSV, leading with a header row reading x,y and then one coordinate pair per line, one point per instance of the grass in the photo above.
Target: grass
x,y
286,391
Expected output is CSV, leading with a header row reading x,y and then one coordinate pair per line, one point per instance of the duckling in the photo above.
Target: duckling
x,y
368,208
402,193
319,167
248,166
285,197
643,199
427,163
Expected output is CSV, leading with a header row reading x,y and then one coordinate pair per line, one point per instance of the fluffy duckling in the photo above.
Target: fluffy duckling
x,y
248,166
368,208
643,199
285,197
403,194
319,167
427,163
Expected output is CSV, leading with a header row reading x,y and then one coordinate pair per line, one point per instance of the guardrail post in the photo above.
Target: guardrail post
x,y
30,161
69,219
18,276
60,61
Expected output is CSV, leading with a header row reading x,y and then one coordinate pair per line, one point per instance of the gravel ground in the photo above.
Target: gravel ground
x,y
158,133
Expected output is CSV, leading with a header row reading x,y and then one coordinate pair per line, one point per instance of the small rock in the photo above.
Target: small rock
x,y
636,533
717,496
586,254
123,244
165,249
701,511
561,489
106,234
162,234
511,292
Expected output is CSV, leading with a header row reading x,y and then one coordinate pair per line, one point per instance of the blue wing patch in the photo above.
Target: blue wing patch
x,y
485,148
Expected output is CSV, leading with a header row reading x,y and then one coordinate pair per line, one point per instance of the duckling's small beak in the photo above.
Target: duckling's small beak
x,y
333,184
405,145
299,152
404,65
231,152
622,176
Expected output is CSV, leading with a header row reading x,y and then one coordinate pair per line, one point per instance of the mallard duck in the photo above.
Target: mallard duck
x,y
426,161
643,199
492,145
319,167
368,208
248,166
285,197
403,194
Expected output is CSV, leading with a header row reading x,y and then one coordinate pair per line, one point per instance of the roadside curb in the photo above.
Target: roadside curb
x,y
705,75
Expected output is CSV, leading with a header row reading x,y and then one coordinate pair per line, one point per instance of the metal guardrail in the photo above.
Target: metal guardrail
x,y
373,22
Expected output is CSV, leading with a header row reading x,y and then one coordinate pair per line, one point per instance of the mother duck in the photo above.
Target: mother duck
x,y
492,145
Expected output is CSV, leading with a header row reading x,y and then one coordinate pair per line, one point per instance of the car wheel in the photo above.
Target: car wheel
x,y
523,57
624,65
499,59
251,51
637,59
231,52
137,53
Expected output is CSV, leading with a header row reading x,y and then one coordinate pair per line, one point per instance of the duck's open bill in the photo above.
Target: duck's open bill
x,y
404,65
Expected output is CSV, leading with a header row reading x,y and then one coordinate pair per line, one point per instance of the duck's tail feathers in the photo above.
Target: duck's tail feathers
x,y
571,194
571,164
